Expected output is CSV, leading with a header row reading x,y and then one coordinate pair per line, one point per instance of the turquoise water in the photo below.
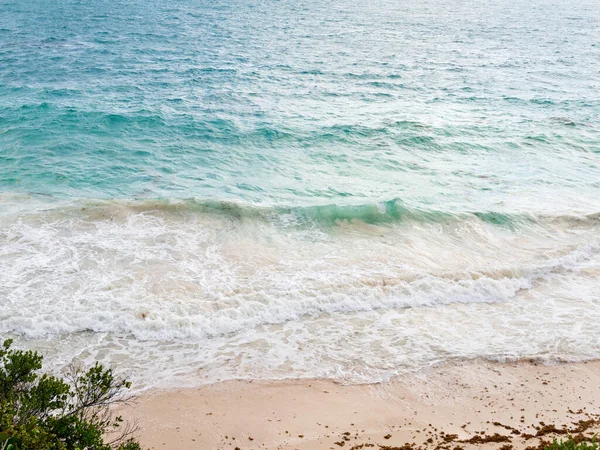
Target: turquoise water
x,y
275,189
454,106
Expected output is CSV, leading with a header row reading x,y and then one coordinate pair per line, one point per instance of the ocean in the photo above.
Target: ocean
x,y
202,190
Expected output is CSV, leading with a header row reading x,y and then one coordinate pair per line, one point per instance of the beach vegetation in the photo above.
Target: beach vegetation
x,y
42,411
574,443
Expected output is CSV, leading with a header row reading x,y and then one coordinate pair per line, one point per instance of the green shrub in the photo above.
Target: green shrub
x,y
43,412
574,444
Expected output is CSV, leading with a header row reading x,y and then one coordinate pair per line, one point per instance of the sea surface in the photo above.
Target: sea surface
x,y
201,190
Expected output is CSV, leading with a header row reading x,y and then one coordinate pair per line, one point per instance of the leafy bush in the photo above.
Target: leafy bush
x,y
41,411
574,444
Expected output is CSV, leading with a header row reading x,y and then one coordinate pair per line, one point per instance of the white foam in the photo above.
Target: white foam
x,y
233,298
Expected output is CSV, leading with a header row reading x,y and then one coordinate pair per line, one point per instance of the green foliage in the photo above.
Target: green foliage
x,y
40,411
574,444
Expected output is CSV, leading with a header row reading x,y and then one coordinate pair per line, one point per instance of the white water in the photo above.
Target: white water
x,y
178,297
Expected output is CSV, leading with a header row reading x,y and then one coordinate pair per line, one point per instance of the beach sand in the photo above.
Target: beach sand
x,y
427,408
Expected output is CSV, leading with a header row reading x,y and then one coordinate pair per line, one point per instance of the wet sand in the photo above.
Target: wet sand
x,y
462,404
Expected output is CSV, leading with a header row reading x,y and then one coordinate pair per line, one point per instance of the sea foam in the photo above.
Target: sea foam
x,y
189,276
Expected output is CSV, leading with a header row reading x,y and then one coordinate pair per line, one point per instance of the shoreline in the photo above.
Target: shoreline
x,y
456,405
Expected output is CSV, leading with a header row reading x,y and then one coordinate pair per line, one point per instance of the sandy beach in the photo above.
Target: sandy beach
x,y
450,406
284,225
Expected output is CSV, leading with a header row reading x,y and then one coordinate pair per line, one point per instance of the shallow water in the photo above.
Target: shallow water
x,y
208,190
